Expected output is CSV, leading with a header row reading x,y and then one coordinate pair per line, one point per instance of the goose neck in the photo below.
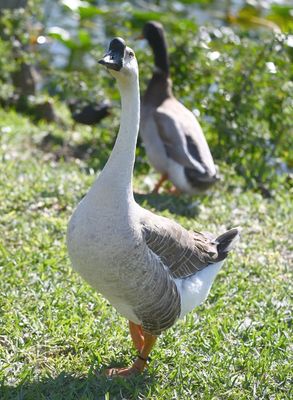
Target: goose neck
x,y
115,180
161,55
159,89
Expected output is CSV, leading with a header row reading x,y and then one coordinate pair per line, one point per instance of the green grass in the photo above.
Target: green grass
x,y
57,335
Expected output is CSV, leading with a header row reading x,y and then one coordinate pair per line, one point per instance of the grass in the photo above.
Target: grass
x,y
57,335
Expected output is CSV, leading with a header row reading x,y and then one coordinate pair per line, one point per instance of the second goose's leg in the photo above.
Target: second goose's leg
x,y
175,191
163,178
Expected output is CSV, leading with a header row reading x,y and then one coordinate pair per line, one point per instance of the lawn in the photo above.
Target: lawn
x,y
57,335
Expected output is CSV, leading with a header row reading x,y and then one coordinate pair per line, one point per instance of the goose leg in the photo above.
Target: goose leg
x,y
163,178
136,335
173,190
139,364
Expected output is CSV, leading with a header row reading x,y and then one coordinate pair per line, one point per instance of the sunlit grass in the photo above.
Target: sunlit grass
x,y
57,335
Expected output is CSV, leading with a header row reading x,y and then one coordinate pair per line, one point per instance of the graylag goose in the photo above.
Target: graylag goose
x,y
173,139
152,270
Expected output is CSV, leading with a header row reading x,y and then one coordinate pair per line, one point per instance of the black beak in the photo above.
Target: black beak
x,y
113,59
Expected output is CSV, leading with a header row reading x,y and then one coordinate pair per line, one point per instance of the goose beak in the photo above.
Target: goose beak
x,y
113,59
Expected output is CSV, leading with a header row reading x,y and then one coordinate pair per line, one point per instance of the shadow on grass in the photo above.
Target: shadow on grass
x,y
180,205
66,386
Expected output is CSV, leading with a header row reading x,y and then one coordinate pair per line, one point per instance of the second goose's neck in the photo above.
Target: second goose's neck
x,y
159,87
116,177
161,56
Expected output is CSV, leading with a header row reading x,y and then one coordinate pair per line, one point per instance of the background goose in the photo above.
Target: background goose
x,y
173,138
149,268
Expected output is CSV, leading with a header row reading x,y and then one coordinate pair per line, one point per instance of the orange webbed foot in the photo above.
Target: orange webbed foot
x,y
144,343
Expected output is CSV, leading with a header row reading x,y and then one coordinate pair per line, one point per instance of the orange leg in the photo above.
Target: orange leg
x,y
140,363
136,335
163,178
175,191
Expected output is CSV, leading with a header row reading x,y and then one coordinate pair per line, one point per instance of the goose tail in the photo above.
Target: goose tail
x,y
227,241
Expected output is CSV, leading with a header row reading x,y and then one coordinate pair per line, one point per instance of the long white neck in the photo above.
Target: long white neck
x,y
115,180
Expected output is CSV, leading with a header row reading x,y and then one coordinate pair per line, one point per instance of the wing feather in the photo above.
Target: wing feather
x,y
175,141
183,252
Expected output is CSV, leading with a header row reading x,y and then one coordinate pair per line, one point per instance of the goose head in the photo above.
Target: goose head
x,y
120,60
153,32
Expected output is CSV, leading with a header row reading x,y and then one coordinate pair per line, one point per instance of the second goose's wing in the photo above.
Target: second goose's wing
x,y
178,129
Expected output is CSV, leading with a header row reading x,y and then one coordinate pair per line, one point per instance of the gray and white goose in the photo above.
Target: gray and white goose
x,y
152,270
173,139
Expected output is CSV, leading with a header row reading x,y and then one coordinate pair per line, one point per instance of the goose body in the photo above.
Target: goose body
x,y
133,256
173,138
152,270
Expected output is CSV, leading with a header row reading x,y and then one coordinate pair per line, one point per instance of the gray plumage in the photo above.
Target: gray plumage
x,y
152,270
178,253
173,138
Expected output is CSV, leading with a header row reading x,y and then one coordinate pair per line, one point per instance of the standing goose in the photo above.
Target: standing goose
x,y
173,138
149,268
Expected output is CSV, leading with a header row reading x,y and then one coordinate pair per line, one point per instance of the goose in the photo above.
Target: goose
x,y
173,139
152,270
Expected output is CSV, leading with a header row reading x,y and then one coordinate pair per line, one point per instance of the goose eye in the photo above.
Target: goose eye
x,y
131,54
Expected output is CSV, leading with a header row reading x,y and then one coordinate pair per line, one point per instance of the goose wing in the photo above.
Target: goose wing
x,y
182,137
173,252
183,252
